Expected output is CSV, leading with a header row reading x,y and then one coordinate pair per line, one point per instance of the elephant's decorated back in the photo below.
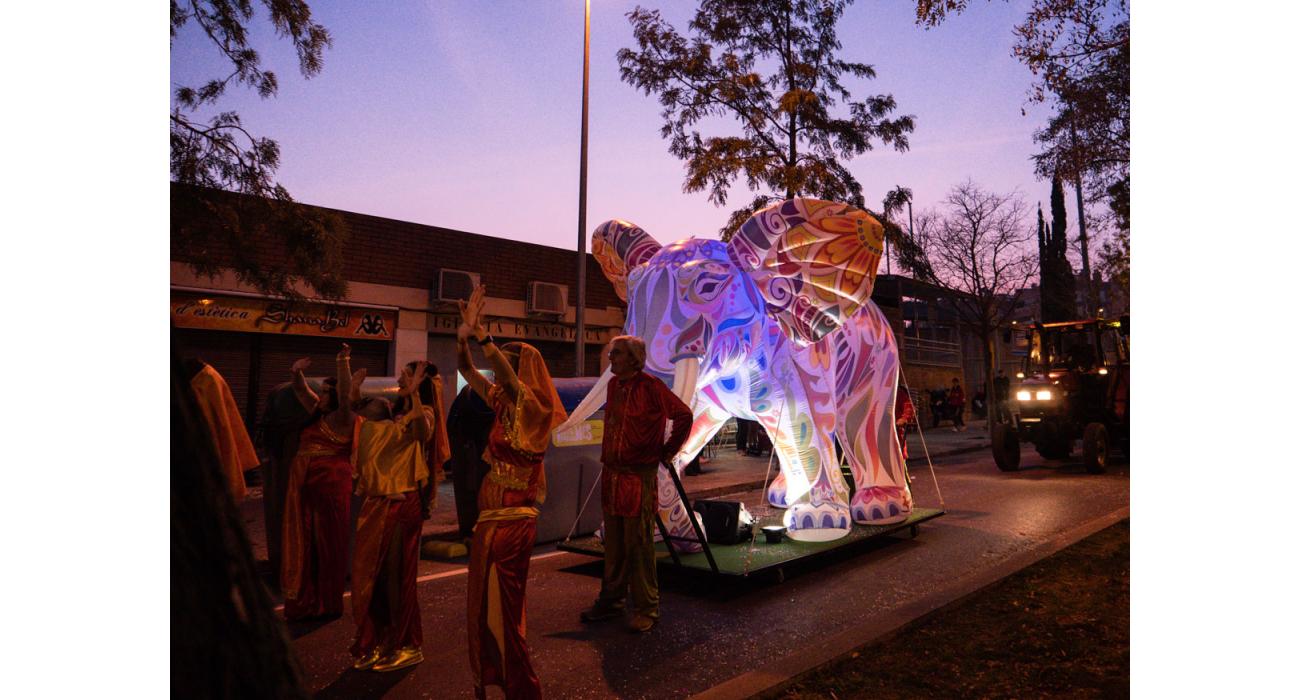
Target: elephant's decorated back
x,y
813,261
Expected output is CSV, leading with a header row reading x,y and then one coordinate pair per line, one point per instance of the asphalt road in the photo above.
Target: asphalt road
x,y
730,639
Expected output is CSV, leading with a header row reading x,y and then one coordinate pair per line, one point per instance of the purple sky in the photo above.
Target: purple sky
x,y
466,114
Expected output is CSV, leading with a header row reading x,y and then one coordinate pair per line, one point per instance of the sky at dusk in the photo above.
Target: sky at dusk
x,y
466,114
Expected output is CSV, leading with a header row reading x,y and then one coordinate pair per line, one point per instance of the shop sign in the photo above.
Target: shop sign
x,y
523,329
252,315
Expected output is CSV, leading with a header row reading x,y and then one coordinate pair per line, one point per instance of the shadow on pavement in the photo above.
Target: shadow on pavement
x,y
302,628
702,585
362,684
1070,466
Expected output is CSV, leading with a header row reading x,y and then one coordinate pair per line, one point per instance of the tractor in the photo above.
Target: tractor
x,y
1074,385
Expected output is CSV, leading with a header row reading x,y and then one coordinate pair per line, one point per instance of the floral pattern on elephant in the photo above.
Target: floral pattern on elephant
x,y
776,326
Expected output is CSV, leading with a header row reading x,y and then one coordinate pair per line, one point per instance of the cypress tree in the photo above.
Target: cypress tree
x,y
1057,275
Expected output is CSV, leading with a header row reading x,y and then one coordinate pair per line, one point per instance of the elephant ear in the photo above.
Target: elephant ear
x,y
619,246
814,263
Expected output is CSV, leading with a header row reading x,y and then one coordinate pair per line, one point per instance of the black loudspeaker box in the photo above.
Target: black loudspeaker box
x,y
721,520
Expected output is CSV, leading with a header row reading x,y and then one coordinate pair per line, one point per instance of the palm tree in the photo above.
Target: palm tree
x,y
894,201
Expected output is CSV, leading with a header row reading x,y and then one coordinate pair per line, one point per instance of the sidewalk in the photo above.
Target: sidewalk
x,y
727,472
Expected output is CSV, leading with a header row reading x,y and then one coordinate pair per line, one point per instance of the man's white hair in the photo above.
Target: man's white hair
x,y
634,347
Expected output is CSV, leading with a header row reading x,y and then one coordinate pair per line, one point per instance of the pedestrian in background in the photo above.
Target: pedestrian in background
x,y
527,409
638,408
957,404
904,414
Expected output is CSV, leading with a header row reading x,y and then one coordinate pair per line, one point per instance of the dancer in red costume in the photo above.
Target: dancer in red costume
x,y
317,513
527,409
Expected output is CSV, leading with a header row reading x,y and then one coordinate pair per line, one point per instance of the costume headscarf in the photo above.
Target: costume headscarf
x,y
537,406
221,413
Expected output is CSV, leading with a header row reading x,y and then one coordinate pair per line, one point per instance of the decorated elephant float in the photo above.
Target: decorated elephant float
x,y
775,326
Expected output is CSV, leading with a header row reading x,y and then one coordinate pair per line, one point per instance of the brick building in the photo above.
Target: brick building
x,y
401,279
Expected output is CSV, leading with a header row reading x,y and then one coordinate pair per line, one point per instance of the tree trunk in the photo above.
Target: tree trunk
x,y
990,334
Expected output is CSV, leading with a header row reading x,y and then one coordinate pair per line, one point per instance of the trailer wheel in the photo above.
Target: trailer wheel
x,y
1096,448
1006,447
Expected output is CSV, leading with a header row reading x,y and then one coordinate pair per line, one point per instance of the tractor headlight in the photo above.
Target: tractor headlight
x,y
1023,395
1043,395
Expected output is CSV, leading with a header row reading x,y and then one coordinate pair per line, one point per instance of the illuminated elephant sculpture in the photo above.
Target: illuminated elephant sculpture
x,y
775,326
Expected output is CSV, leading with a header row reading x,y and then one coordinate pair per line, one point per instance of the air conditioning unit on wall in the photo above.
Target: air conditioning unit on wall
x,y
454,285
547,298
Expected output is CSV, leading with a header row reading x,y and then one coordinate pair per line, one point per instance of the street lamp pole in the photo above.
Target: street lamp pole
x,y
580,337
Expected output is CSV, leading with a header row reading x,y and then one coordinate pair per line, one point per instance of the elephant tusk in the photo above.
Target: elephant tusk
x,y
590,403
686,373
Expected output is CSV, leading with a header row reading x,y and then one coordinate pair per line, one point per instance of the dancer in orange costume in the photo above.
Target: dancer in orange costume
x,y
527,409
217,404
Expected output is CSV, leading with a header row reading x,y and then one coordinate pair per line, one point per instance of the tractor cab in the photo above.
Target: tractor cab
x,y
1073,385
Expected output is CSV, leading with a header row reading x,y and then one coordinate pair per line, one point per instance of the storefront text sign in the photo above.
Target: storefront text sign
x,y
527,330
252,315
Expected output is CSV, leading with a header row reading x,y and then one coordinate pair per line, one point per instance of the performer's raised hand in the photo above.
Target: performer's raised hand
x,y
300,365
471,313
418,376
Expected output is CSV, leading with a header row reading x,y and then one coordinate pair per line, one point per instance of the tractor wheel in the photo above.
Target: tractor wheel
x,y
1006,447
1096,448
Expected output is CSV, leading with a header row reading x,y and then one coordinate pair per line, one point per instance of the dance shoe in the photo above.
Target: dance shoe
x,y
640,623
406,656
368,660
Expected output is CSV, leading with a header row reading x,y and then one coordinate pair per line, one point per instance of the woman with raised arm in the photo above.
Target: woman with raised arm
x,y
392,473
317,503
437,446
527,409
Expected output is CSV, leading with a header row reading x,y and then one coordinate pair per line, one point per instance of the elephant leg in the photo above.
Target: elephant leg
x,y
708,420
778,490
866,380
816,496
